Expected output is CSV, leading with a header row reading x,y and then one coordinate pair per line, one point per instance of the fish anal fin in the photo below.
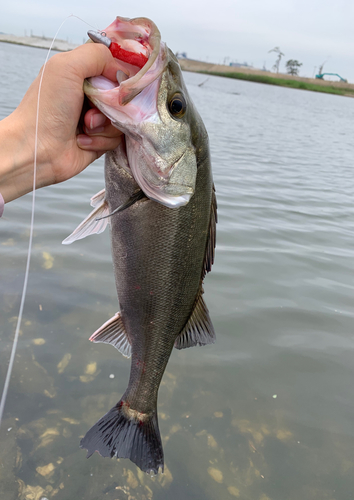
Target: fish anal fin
x,y
113,332
199,329
90,225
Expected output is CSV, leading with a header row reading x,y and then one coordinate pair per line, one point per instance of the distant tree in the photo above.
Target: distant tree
x,y
278,59
293,66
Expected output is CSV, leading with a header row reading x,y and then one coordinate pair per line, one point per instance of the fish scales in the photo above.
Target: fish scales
x,y
157,299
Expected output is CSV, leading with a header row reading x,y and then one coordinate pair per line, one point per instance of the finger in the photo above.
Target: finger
x,y
98,143
105,131
96,123
94,118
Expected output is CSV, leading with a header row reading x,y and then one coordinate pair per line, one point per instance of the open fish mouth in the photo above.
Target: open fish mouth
x,y
166,175
141,58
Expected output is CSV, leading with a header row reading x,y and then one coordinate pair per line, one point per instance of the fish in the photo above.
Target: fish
x,y
159,201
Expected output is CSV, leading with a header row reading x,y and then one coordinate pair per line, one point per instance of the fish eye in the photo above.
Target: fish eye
x,y
177,106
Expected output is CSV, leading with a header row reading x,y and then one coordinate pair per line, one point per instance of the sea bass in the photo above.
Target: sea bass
x,y
160,203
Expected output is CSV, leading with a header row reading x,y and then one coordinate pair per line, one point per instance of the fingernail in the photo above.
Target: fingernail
x,y
84,140
93,131
97,120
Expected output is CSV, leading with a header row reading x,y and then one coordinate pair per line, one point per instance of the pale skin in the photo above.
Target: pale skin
x,y
62,151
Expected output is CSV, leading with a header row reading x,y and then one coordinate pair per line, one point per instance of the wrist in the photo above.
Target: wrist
x,y
17,162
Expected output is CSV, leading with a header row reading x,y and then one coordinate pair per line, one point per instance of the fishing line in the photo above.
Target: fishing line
x,y
24,290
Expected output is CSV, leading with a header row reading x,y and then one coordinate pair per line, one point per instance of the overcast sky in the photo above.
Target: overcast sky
x,y
311,31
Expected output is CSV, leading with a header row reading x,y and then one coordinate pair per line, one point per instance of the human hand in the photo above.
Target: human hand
x,y
62,152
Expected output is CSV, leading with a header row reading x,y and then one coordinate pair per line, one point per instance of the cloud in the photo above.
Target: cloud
x,y
239,29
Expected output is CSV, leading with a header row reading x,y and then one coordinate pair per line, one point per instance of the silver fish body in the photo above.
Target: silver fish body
x,y
160,256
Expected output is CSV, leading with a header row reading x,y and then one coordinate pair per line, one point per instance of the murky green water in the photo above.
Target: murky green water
x,y
267,413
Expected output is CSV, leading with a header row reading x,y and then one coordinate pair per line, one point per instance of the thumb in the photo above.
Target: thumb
x,y
93,59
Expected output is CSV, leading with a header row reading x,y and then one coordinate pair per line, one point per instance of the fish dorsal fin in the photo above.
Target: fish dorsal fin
x,y
90,225
113,332
210,247
98,198
199,329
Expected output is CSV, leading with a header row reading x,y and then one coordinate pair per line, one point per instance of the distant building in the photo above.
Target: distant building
x,y
239,65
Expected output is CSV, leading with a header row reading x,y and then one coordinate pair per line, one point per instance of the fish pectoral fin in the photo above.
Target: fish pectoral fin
x,y
113,332
98,198
139,195
90,225
199,329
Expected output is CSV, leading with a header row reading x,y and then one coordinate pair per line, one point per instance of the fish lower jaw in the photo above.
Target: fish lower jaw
x,y
169,195
166,199
133,415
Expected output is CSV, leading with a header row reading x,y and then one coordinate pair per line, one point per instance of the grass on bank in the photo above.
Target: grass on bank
x,y
283,82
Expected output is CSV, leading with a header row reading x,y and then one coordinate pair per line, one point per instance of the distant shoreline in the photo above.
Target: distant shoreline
x,y
38,42
241,73
259,76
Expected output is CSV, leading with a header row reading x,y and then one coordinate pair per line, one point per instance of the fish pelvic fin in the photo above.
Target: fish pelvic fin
x,y
199,329
113,332
90,225
126,433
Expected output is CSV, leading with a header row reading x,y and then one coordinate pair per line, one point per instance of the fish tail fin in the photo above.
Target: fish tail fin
x,y
126,433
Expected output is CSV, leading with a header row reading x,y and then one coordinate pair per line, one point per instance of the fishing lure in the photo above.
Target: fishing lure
x,y
117,50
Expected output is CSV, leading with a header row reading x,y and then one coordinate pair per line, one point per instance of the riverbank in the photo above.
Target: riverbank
x,y
259,76
38,42
241,73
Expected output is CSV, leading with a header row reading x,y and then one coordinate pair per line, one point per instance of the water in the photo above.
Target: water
x,y
267,412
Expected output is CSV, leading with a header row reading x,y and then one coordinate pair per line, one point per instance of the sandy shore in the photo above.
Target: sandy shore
x,y
39,42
